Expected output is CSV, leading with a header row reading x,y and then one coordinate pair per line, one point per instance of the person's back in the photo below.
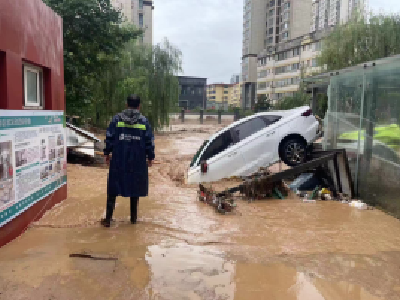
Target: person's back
x,y
131,142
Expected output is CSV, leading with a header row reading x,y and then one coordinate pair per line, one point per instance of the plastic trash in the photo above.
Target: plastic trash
x,y
309,201
358,204
305,182
325,191
314,193
326,197
362,206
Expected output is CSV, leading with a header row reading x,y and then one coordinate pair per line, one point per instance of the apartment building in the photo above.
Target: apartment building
x,y
281,66
222,96
218,95
254,19
328,13
140,14
279,74
235,95
266,24
235,78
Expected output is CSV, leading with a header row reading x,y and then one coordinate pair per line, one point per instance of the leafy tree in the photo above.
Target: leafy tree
x,y
93,39
298,99
263,103
361,40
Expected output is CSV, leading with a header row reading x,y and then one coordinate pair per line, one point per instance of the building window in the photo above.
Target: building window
x,y
33,86
262,85
271,12
141,20
140,4
314,62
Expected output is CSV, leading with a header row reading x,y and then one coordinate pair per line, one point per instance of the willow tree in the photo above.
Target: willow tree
x,y
361,40
147,71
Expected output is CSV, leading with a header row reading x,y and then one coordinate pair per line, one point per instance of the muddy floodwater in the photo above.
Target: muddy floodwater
x,y
183,249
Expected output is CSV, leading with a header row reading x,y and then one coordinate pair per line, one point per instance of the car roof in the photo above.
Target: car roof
x,y
282,113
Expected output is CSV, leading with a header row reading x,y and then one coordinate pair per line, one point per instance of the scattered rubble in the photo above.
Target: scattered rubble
x,y
325,178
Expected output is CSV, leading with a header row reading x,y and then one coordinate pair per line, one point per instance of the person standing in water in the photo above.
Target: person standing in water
x,y
130,140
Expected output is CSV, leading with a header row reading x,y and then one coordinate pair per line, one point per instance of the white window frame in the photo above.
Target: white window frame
x,y
40,86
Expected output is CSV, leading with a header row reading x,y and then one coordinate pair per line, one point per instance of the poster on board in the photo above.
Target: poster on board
x,y
32,159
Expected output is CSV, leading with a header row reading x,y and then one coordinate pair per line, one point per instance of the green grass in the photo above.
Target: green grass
x,y
389,135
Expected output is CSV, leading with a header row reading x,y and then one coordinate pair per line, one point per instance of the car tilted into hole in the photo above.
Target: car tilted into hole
x,y
253,142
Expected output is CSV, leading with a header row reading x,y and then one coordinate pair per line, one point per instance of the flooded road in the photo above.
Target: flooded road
x,y
182,249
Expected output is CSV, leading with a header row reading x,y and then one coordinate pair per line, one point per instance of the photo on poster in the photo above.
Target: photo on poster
x,y
51,169
60,140
6,174
52,154
43,148
58,166
52,148
44,172
26,156
61,152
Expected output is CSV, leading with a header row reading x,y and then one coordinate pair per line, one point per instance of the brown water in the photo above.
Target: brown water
x,y
182,249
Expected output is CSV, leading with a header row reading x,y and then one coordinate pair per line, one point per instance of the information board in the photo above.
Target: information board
x,y
33,162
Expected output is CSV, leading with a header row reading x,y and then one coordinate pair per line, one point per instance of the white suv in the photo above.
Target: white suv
x,y
253,142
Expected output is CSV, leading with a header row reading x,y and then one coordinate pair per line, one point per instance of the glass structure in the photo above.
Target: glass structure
x,y
364,118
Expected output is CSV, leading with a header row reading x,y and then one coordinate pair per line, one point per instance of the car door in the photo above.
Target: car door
x,y
222,157
257,140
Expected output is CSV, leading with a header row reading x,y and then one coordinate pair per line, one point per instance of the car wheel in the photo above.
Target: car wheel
x,y
294,152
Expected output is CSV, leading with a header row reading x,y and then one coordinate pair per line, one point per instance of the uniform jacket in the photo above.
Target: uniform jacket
x,y
131,141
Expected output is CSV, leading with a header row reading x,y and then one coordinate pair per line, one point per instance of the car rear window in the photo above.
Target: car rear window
x,y
248,128
221,143
269,120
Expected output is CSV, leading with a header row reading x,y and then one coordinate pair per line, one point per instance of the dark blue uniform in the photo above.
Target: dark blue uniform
x,y
131,142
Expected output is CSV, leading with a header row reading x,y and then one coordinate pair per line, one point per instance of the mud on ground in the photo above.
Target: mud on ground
x,y
182,249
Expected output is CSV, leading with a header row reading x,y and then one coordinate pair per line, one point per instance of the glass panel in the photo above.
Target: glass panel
x,y
269,120
248,128
32,87
342,121
380,145
364,118
221,143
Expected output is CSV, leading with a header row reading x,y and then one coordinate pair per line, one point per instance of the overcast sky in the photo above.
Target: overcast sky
x,y
209,33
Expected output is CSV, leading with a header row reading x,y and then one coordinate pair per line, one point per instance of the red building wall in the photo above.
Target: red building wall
x,y
30,32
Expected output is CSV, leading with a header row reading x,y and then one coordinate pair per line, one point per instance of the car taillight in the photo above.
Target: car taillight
x,y
204,167
307,113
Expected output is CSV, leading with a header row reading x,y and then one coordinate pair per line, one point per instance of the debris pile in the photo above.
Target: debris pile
x,y
252,188
258,186
223,203
324,194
